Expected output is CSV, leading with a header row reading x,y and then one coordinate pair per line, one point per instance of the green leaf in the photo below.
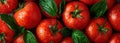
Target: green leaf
x,y
2,37
18,31
49,6
62,5
9,20
99,8
29,37
66,32
79,37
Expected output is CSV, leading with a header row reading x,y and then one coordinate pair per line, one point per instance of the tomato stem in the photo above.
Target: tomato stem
x,y
76,12
101,28
54,28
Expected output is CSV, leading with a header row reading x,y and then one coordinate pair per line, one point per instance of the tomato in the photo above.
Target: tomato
x,y
76,15
115,38
29,16
91,2
99,30
67,40
49,31
114,17
57,2
19,39
6,6
8,33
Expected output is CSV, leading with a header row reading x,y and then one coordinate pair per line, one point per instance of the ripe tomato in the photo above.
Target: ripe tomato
x,y
49,31
91,2
29,16
76,15
48,15
115,38
19,39
67,40
6,6
8,33
99,30
114,17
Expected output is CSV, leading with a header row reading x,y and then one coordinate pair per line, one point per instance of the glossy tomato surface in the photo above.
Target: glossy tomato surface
x,y
114,17
99,30
46,34
6,6
8,33
29,16
67,40
76,22
115,38
19,39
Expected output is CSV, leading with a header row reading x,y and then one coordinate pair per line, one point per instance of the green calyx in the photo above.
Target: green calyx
x,y
2,38
21,5
101,28
53,28
76,12
2,1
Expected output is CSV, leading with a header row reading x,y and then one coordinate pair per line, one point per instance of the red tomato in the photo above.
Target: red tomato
x,y
99,30
7,31
91,2
67,40
19,39
29,16
76,15
46,31
114,17
115,38
7,6
58,5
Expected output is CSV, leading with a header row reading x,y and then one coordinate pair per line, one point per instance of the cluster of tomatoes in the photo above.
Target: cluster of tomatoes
x,y
59,21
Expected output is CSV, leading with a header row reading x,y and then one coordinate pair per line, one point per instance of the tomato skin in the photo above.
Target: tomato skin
x,y
76,23
19,39
114,17
115,38
7,31
29,16
92,2
44,33
67,40
8,6
93,32
48,15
